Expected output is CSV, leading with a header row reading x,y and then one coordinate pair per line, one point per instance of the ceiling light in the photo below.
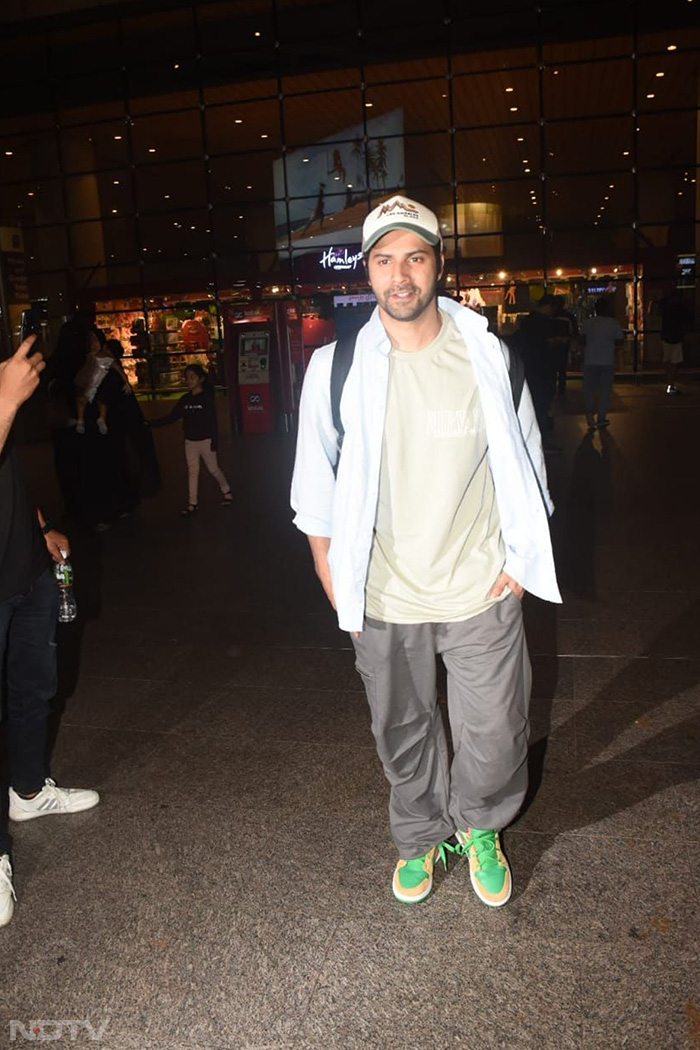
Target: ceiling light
x,y
556,72
263,136
606,198
502,274
594,269
611,186
520,139
559,273
30,193
651,95
114,211
527,171
151,149
117,138
369,105
238,120
249,187
526,162
509,89
672,47
115,182
305,160
514,109
9,153
176,66
660,74
625,153
166,196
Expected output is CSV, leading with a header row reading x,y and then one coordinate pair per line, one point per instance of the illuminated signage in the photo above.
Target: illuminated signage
x,y
686,271
340,260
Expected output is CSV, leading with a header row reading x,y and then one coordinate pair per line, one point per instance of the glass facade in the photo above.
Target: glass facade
x,y
165,164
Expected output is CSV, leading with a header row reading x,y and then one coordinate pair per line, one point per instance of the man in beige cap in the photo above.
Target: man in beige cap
x,y
425,534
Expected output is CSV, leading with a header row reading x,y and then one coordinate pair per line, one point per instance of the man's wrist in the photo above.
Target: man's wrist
x,y
47,527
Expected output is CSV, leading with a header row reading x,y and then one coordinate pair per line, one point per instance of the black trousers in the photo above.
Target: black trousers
x,y
28,683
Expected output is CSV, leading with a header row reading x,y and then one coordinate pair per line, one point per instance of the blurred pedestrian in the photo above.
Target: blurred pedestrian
x,y
675,320
601,335
535,342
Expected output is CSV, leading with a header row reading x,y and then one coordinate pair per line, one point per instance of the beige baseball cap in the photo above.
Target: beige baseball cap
x,y
400,213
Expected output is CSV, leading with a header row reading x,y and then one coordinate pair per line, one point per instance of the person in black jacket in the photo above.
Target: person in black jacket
x,y
29,545
197,411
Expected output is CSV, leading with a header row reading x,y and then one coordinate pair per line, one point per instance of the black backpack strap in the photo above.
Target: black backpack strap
x,y
342,361
516,372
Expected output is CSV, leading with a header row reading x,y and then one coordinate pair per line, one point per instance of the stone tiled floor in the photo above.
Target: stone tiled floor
x,y
232,892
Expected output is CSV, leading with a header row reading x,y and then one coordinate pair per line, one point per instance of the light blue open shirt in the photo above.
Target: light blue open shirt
x,y
344,507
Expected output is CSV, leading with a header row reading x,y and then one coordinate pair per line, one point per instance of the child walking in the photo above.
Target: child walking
x,y
197,411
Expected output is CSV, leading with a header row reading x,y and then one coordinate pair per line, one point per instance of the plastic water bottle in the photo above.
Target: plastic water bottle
x,y
67,608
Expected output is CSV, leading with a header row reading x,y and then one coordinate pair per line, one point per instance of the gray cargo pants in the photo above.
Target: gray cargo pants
x,y
489,680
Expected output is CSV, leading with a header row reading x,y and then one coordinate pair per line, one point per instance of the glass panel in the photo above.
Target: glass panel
x,y
46,247
410,71
666,196
179,235
92,114
593,251
178,136
666,139
424,103
153,38
243,127
249,226
328,116
589,89
94,146
496,98
166,187
601,200
32,202
29,157
240,91
589,145
245,177
481,60
232,25
494,152
668,81
171,95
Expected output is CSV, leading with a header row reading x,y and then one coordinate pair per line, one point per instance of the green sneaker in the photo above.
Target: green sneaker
x,y
489,870
413,879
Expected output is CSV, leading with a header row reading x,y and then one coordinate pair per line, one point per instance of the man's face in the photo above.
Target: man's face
x,y
403,274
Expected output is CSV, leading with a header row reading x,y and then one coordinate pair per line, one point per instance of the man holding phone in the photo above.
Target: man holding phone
x,y
28,615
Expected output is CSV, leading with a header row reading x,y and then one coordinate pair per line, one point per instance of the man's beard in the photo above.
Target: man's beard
x,y
413,308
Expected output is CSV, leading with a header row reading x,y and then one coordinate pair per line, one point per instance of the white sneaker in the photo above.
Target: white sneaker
x,y
51,799
7,891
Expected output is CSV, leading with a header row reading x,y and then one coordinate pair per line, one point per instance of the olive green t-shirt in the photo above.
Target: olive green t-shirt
x,y
437,546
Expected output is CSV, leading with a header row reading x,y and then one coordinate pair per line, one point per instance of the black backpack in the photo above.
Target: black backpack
x,y
342,360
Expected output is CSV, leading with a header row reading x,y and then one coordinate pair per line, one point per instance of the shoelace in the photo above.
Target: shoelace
x,y
485,848
5,877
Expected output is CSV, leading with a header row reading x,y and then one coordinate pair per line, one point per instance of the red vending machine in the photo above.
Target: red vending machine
x,y
262,347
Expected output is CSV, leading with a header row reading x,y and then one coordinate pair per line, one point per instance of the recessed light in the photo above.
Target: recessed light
x,y
502,274
651,95
520,139
30,193
117,138
660,74
304,160
527,171
514,109
594,269
166,196
114,211
176,66
9,153
611,186
238,120
625,153
555,72
510,89
257,32
264,136
559,273
116,182
152,149
369,105
249,187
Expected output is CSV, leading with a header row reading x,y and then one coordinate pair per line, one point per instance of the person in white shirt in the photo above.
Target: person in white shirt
x,y
600,336
425,533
